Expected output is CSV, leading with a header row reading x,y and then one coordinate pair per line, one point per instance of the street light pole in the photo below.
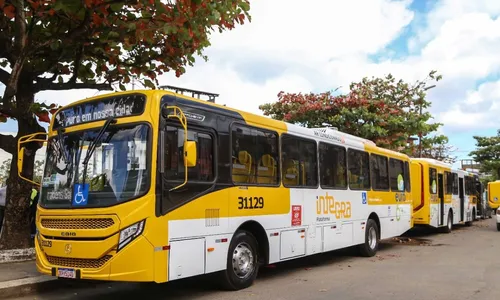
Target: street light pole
x,y
420,114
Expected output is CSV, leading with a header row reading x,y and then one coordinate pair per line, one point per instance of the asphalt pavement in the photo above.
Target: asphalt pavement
x,y
464,264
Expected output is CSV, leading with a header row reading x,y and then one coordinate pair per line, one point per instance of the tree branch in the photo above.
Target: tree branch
x,y
76,64
44,86
20,50
20,21
8,143
7,111
4,76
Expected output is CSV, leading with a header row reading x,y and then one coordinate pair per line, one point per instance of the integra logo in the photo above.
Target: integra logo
x,y
326,205
68,234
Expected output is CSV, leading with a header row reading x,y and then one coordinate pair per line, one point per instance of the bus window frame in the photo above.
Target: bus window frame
x,y
278,144
368,154
389,158
388,189
325,187
429,183
161,210
204,130
316,157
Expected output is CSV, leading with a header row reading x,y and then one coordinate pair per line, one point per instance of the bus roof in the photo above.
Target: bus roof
x,y
320,133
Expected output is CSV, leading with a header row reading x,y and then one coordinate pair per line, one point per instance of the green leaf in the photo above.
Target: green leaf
x,y
116,7
132,26
113,35
122,87
148,83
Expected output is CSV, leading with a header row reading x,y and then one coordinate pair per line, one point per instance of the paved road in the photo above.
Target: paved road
x,y
462,265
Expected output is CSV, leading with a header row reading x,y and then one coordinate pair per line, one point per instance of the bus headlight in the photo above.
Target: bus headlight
x,y
130,233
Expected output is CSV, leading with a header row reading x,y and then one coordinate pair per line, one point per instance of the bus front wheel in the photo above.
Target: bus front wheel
x,y
242,262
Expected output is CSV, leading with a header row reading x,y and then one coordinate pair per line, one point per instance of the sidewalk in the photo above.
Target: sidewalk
x,y
19,279
22,278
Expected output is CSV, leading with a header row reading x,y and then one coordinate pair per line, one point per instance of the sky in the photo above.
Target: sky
x,y
325,44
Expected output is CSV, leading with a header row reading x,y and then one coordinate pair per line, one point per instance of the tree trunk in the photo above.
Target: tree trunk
x,y
16,227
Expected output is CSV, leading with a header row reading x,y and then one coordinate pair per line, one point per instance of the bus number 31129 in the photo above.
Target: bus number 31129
x,y
250,202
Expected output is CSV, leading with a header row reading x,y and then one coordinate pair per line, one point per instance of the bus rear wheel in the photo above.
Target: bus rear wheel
x,y
370,246
242,262
449,224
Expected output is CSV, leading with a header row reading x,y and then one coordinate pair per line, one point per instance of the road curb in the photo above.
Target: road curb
x,y
40,284
26,286
17,255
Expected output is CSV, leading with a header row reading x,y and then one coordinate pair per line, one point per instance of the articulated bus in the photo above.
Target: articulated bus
x,y
442,196
155,186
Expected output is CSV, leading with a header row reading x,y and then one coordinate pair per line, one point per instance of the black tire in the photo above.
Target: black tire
x,y
474,216
449,224
243,244
370,246
498,226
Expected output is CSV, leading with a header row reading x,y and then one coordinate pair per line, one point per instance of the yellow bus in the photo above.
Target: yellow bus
x,y
156,186
494,194
442,196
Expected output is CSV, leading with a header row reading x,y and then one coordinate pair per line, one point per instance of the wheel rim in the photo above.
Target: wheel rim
x,y
243,260
449,222
372,238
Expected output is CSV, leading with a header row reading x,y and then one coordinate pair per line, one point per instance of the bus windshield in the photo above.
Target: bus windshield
x,y
117,170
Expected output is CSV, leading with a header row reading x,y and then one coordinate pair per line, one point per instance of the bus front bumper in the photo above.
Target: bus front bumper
x,y
135,263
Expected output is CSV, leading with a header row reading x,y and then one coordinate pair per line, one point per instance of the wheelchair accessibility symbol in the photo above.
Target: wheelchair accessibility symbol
x,y
80,194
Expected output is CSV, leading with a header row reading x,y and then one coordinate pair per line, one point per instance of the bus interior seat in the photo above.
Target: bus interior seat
x,y
266,172
242,167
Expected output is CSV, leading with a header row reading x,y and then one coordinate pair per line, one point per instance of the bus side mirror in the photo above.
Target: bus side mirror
x,y
190,154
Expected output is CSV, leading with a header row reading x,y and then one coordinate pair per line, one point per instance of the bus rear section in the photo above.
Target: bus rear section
x,y
432,205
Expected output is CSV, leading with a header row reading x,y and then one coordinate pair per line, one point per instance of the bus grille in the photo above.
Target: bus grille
x,y
80,263
101,223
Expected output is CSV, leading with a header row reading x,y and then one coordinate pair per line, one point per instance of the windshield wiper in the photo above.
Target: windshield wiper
x,y
61,145
93,145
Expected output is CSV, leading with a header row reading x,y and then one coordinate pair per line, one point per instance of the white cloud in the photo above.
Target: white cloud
x,y
479,110
445,10
322,29
296,47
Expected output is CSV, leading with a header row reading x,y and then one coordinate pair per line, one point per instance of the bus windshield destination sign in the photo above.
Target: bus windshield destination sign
x,y
120,106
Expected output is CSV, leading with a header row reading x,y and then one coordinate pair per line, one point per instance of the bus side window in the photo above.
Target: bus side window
x,y
455,183
379,172
407,177
200,178
433,181
358,166
299,160
254,156
397,175
332,162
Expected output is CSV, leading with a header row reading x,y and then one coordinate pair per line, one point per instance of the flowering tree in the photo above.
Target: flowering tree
x,y
90,44
383,110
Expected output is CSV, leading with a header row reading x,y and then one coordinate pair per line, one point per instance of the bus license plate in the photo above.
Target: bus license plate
x,y
66,273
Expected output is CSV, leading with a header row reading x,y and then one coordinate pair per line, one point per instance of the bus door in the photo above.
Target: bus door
x,y
462,198
441,198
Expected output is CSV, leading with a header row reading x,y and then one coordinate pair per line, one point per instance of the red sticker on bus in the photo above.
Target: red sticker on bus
x,y
296,215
